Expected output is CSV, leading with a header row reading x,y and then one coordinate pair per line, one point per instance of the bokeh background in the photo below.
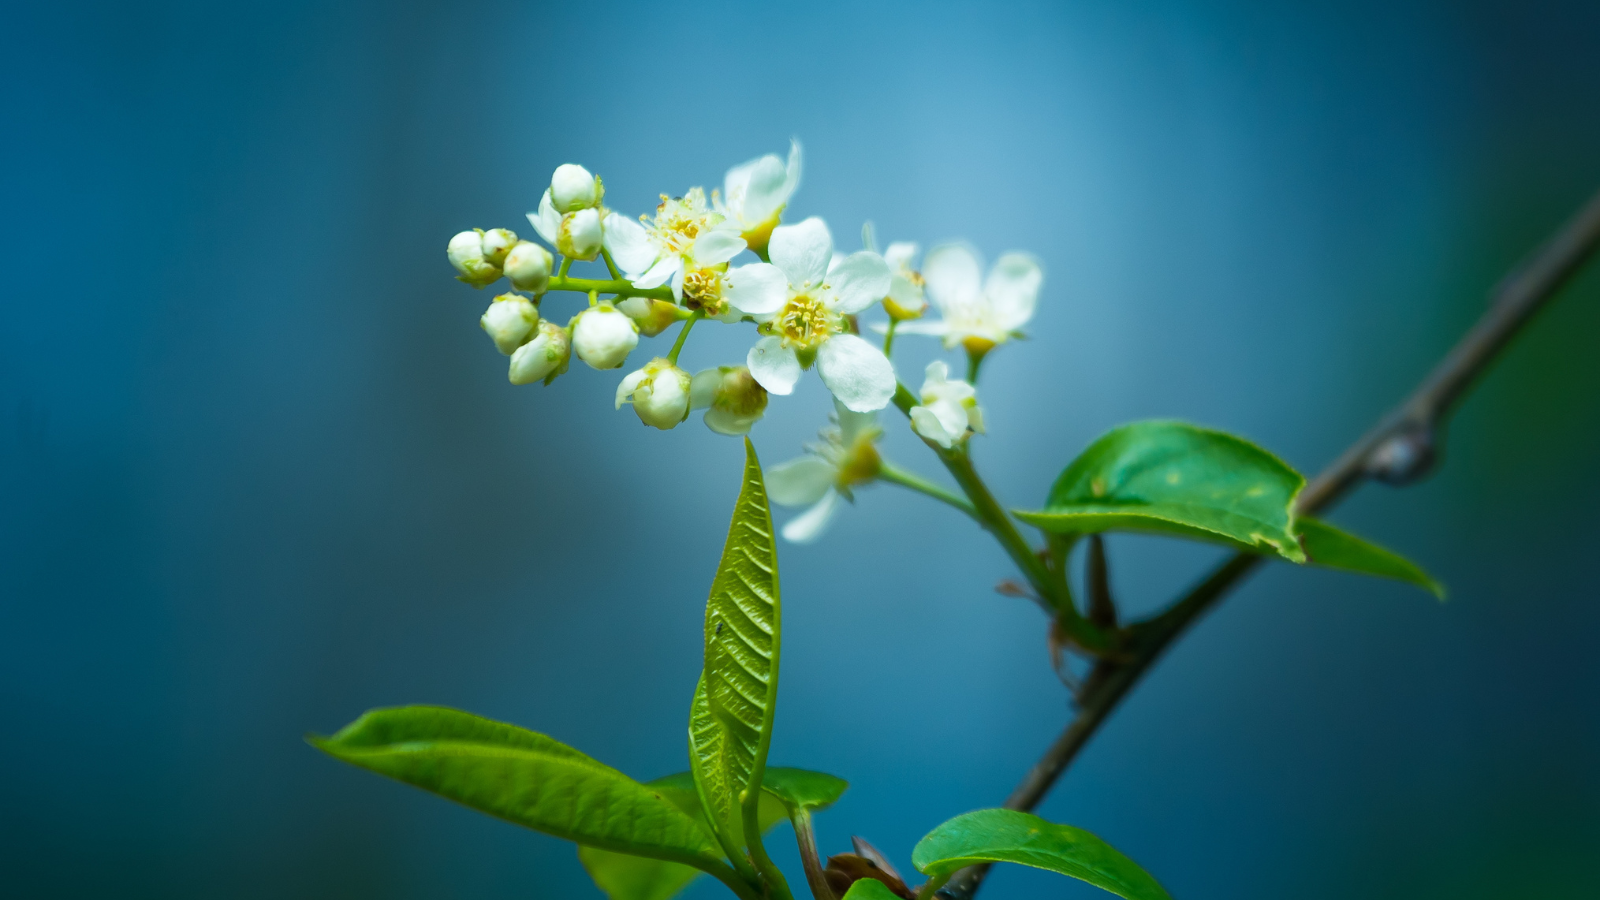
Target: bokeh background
x,y
260,470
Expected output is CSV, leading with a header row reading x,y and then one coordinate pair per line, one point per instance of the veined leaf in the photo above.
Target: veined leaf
x,y
523,777
624,877
730,722
1335,548
869,889
1176,478
1004,835
803,789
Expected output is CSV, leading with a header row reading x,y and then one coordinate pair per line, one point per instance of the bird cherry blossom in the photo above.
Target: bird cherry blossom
x,y
845,457
978,313
755,193
949,411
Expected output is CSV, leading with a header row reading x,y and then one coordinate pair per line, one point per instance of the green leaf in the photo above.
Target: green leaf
x,y
1180,479
1004,835
869,889
523,777
1334,548
624,877
730,721
803,789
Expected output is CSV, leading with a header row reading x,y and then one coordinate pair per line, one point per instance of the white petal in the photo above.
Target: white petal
x,y
857,373
934,327
900,254
628,385
802,251
937,372
660,273
774,366
860,280
758,289
801,481
953,273
809,525
630,245
546,221
853,425
716,247
703,387
791,173
677,282
763,193
925,423
951,414
1013,289
724,422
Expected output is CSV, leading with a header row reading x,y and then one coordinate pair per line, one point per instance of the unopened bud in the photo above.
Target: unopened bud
x,y
659,393
732,398
509,320
496,241
544,357
580,234
652,316
528,267
466,254
572,188
603,337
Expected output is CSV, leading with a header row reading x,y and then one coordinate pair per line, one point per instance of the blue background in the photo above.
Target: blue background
x,y
260,470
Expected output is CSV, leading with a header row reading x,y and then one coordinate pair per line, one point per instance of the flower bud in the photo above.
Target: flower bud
x,y
733,400
603,337
466,254
572,188
544,357
652,316
509,320
496,241
580,235
528,267
659,393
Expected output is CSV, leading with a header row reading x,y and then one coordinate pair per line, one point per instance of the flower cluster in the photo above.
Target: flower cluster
x,y
682,264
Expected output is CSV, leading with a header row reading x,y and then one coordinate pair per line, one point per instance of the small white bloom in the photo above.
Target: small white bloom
x,y
978,315
528,267
572,188
651,315
546,356
755,193
509,320
659,393
846,456
810,325
496,241
603,337
580,235
732,399
949,410
906,298
685,240
466,254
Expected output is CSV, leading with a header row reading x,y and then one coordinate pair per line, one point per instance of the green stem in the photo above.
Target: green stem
x,y
926,892
888,336
777,886
621,287
725,874
974,360
683,335
810,859
890,472
561,273
610,266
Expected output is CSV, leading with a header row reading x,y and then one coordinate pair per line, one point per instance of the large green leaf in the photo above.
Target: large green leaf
x,y
625,877
730,722
1004,835
1334,548
869,889
802,788
1176,478
523,777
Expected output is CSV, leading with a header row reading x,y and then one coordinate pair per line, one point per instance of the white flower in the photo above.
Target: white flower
x,y
659,393
949,410
684,238
509,320
809,324
576,235
732,399
528,267
906,299
496,241
544,357
755,193
572,188
466,254
978,316
844,458
603,337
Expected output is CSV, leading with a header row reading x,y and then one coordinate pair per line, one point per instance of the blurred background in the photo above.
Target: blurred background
x,y
260,470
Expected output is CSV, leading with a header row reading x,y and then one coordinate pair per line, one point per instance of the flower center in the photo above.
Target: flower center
x,y
679,220
702,289
805,322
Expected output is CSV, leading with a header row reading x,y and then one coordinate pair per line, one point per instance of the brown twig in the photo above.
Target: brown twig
x,y
1401,448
